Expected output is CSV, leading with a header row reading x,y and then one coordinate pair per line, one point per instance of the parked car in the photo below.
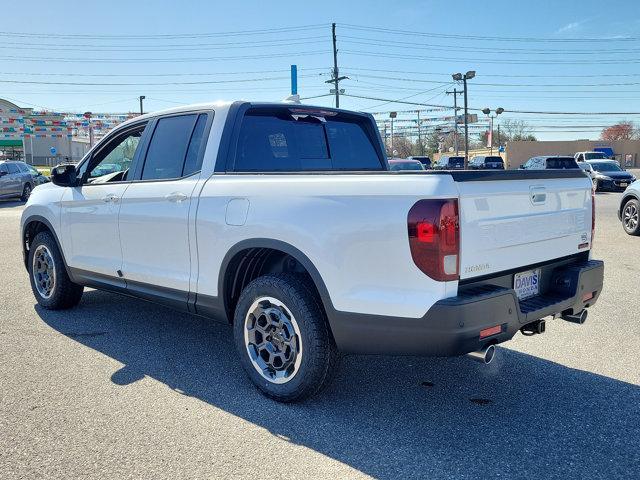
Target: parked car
x,y
550,162
38,177
590,172
425,161
285,221
629,211
584,156
449,163
488,162
15,180
402,164
608,175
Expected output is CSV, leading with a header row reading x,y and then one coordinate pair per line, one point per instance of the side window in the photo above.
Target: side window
x,y
193,161
23,167
113,161
167,150
281,142
13,168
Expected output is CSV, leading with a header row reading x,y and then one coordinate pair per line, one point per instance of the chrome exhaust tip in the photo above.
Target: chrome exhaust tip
x,y
485,355
578,318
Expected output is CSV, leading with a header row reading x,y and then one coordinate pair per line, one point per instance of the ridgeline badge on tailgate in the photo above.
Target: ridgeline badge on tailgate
x,y
477,268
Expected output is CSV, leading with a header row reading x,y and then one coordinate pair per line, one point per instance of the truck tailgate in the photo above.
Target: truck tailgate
x,y
506,224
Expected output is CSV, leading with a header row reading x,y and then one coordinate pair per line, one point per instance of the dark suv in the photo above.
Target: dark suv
x,y
17,179
449,163
482,162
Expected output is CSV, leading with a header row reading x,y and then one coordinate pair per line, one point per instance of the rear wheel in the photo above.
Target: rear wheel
x,y
50,283
26,192
283,338
631,217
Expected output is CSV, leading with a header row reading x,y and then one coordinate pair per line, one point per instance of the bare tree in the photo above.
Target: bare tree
x,y
620,131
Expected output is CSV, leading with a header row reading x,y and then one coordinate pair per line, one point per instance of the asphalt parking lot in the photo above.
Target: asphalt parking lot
x,y
120,388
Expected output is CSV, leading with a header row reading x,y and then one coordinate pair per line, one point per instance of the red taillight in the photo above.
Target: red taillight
x,y
434,238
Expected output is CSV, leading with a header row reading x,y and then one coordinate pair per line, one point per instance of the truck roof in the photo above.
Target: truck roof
x,y
223,106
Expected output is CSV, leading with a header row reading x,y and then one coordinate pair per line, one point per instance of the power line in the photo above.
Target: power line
x,y
493,61
159,60
447,107
179,74
500,75
112,84
419,80
489,38
473,49
168,45
171,36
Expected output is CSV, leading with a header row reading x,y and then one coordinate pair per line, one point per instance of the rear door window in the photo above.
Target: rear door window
x,y
281,141
175,147
12,168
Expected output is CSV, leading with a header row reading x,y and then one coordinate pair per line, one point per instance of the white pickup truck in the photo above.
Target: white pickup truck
x,y
285,221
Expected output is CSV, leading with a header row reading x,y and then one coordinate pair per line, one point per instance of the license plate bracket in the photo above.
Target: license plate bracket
x,y
527,283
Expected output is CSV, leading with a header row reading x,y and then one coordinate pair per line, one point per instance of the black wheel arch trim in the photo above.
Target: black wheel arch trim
x,y
284,247
25,254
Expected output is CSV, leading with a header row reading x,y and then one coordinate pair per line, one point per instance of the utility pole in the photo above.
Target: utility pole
x,y
141,98
392,115
455,94
335,77
419,134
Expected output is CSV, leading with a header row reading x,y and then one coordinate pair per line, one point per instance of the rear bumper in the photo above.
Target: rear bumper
x,y
452,326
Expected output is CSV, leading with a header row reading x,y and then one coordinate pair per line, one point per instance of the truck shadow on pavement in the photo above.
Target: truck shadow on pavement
x,y
388,417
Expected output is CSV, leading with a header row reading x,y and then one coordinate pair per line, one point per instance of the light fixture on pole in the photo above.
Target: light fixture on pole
x,y
457,77
487,112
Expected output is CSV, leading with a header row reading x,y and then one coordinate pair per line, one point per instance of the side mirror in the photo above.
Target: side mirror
x,y
521,167
64,175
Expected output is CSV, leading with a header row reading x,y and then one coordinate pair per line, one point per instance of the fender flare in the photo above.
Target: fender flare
x,y
39,218
283,247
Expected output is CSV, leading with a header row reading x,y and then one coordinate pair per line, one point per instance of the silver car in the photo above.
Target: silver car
x,y
629,211
16,180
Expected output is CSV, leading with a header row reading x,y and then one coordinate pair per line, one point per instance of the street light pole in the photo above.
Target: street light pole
x,y
457,77
466,125
141,98
487,112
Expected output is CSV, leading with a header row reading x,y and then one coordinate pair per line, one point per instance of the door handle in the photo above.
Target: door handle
x,y
110,198
176,197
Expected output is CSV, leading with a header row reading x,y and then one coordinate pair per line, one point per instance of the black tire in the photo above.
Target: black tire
x,y
319,357
26,192
64,293
631,217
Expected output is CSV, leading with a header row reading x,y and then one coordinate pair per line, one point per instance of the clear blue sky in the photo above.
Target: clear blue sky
x,y
87,43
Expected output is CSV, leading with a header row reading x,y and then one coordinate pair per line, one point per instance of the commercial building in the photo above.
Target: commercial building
x,y
627,152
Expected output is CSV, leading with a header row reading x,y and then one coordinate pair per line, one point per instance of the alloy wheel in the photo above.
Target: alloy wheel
x,y
630,216
272,339
43,271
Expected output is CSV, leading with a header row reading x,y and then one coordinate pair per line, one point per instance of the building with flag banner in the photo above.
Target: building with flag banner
x,y
50,138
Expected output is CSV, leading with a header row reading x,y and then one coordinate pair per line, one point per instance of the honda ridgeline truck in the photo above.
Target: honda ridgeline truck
x,y
285,221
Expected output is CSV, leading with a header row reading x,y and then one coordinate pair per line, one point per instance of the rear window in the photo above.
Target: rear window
x,y
493,159
457,161
562,163
279,142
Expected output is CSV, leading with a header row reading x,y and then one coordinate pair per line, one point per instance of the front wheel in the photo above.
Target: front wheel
x,y
50,282
283,338
26,193
631,217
